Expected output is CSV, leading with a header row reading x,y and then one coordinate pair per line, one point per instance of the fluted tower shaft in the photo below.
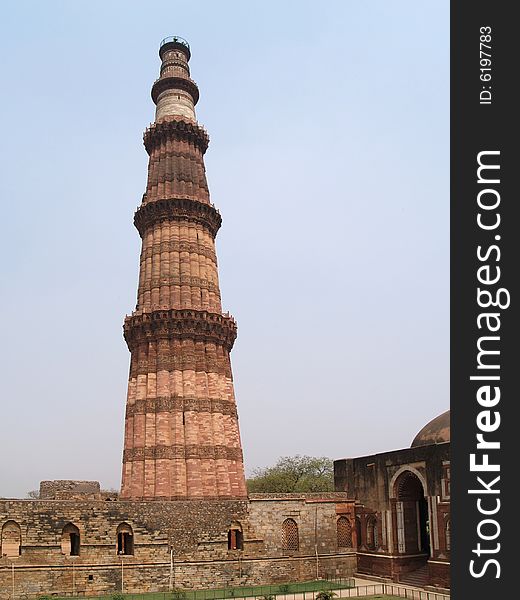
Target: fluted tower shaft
x,y
181,428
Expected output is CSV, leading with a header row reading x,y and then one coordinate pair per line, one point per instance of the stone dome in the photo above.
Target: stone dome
x,y
436,431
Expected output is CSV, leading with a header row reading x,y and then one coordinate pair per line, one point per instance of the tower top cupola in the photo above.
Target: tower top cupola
x,y
175,93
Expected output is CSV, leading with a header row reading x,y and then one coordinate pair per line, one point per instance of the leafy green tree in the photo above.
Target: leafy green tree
x,y
325,595
294,474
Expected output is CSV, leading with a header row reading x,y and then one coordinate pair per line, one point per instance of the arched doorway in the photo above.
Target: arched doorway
x,y
413,527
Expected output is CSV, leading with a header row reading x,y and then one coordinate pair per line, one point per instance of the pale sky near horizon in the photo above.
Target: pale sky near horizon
x,y
329,162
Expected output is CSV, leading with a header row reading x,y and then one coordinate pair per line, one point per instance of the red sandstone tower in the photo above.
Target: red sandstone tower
x,y
181,428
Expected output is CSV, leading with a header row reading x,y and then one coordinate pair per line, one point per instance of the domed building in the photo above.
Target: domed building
x,y
402,508
437,431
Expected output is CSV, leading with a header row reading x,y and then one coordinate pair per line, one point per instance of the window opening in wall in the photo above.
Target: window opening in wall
x,y
290,538
74,544
70,540
11,540
344,533
125,540
235,537
370,534
358,531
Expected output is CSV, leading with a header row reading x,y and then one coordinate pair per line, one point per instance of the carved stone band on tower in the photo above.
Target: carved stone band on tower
x,y
181,427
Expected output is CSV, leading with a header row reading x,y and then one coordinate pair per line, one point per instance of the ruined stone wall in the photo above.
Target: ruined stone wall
x,y
196,531
70,489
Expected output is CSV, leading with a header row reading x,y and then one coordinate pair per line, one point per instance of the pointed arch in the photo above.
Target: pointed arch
x,y
290,536
235,536
344,532
70,540
371,537
412,513
125,539
407,470
11,539
358,533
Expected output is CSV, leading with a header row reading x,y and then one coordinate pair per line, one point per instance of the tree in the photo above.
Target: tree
x,y
294,474
33,494
325,595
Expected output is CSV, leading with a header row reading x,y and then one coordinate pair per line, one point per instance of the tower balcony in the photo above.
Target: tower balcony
x,y
176,39
172,42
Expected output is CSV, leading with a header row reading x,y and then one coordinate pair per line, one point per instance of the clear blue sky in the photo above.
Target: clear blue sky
x,y
329,154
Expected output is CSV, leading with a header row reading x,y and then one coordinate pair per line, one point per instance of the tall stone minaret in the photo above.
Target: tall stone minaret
x,y
181,430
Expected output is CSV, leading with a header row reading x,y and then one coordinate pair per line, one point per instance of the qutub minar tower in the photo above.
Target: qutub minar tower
x,y
181,432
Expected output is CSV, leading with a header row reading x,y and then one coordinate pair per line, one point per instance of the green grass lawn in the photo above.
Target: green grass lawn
x,y
251,591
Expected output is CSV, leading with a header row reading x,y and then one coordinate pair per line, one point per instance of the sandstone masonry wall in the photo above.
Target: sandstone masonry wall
x,y
196,531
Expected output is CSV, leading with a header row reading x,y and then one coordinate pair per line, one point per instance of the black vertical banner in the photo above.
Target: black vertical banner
x,y
485,256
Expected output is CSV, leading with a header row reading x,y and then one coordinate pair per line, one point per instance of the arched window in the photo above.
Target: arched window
x,y
11,539
70,540
358,532
290,538
125,540
344,533
235,537
448,534
371,533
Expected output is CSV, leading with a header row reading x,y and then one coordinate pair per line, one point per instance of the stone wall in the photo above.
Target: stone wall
x,y
192,533
69,489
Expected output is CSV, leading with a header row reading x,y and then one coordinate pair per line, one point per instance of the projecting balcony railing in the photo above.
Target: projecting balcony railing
x,y
176,39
